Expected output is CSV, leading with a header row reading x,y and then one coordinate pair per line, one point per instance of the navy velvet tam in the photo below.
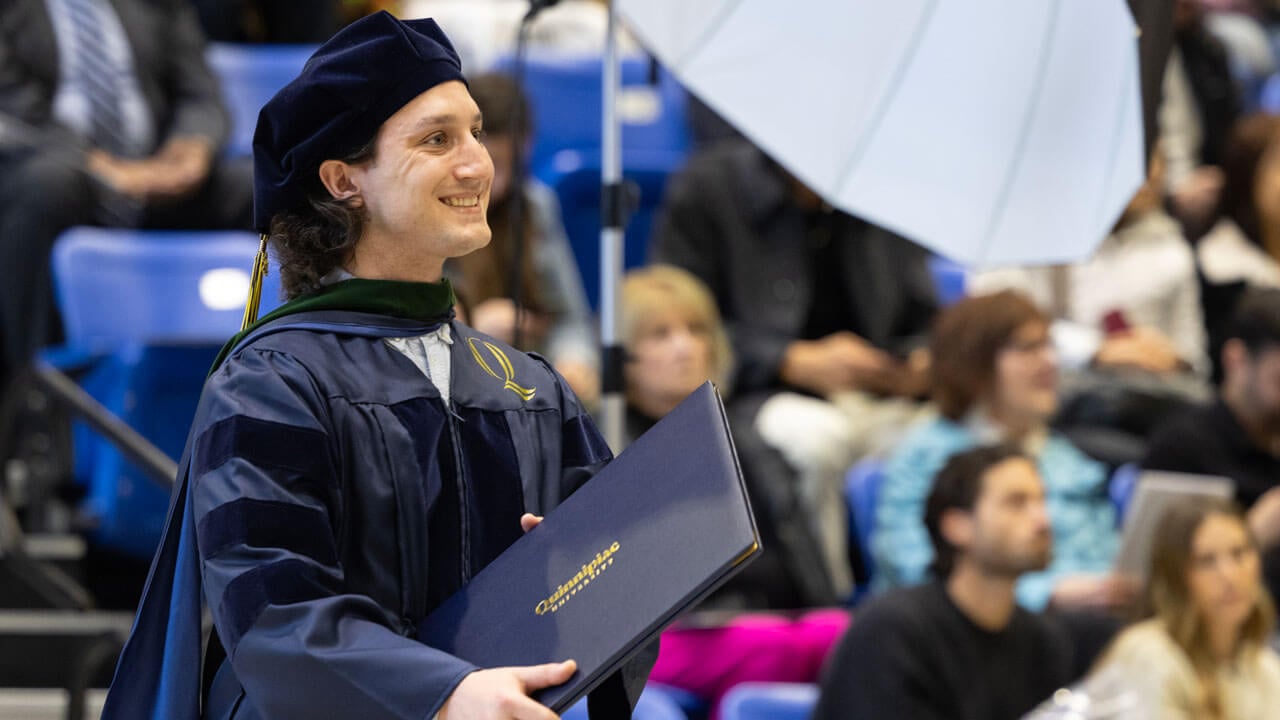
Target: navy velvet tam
x,y
350,86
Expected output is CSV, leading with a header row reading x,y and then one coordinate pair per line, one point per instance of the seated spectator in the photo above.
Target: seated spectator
x,y
1127,326
675,342
1134,304
959,647
995,380
1242,248
821,307
1238,435
554,317
1200,104
1203,651
109,115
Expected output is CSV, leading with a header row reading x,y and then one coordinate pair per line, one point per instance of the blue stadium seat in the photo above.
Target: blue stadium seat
x,y
566,97
575,177
769,701
145,312
250,75
948,279
1123,482
655,703
862,491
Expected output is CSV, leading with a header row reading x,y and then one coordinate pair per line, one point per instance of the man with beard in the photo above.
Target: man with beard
x,y
959,647
1238,435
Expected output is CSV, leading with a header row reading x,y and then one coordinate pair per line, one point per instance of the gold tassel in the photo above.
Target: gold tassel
x,y
255,285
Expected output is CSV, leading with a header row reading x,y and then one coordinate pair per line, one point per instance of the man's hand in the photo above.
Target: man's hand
x,y
529,521
1264,519
1143,348
582,378
840,361
1105,593
503,693
177,170
497,317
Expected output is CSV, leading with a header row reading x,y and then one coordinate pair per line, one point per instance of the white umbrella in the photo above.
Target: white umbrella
x,y
991,131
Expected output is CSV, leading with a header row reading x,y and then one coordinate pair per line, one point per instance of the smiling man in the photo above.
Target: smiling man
x,y
358,455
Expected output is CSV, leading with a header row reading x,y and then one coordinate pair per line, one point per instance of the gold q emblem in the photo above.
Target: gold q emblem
x,y
508,374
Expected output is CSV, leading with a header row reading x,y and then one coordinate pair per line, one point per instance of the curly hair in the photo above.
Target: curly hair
x,y
310,242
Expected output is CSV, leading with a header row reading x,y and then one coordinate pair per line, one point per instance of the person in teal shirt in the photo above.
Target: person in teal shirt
x,y
994,379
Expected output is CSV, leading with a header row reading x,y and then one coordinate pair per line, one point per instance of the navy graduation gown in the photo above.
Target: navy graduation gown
x,y
329,500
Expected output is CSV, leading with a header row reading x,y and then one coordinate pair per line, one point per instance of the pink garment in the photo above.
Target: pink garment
x,y
754,647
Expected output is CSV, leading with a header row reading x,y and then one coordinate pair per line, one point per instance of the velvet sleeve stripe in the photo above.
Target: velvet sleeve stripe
x,y
262,443
279,583
268,524
583,444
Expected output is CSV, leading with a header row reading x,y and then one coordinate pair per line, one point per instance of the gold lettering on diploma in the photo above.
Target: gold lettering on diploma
x,y
584,576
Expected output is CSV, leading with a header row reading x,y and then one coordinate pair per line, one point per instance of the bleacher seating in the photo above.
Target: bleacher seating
x,y
250,75
769,701
566,97
862,491
144,314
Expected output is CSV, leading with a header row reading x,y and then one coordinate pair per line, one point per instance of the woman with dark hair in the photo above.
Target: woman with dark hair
x,y
995,380
554,317
1242,248
1202,653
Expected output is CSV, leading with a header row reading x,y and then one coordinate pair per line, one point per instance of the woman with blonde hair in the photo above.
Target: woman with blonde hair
x,y
1202,654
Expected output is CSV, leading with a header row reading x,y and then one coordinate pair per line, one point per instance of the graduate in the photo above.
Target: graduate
x,y
358,454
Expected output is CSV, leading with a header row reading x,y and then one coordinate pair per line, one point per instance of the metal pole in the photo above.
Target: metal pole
x,y
137,448
612,245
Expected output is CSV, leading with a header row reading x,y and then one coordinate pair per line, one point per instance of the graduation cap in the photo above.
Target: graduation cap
x,y
355,81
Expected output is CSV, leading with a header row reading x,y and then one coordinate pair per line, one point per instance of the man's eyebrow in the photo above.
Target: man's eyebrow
x,y
446,119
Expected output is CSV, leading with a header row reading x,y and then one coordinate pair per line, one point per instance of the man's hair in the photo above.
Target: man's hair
x,y
966,339
957,486
1256,320
310,242
500,98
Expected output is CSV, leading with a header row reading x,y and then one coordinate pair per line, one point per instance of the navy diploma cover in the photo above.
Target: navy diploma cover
x,y
654,532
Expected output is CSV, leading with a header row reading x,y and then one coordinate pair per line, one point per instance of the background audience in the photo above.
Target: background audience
x,y
959,647
553,317
1238,435
995,379
109,115
821,307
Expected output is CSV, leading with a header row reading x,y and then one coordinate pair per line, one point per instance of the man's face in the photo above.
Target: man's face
x,y
426,191
1009,532
1262,380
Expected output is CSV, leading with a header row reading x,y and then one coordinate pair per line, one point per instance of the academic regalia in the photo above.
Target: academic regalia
x,y
330,500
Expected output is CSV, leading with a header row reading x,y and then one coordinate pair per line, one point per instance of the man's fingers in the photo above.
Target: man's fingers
x,y
529,521
536,677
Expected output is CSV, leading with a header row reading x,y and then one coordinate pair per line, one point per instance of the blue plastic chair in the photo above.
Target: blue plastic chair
x,y
566,98
250,75
655,703
769,701
145,313
948,279
575,177
1123,482
862,492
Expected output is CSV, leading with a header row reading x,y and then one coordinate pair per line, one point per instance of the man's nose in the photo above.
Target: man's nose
x,y
474,162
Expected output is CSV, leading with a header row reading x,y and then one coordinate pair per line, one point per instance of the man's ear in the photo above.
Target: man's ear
x,y
340,180
956,527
